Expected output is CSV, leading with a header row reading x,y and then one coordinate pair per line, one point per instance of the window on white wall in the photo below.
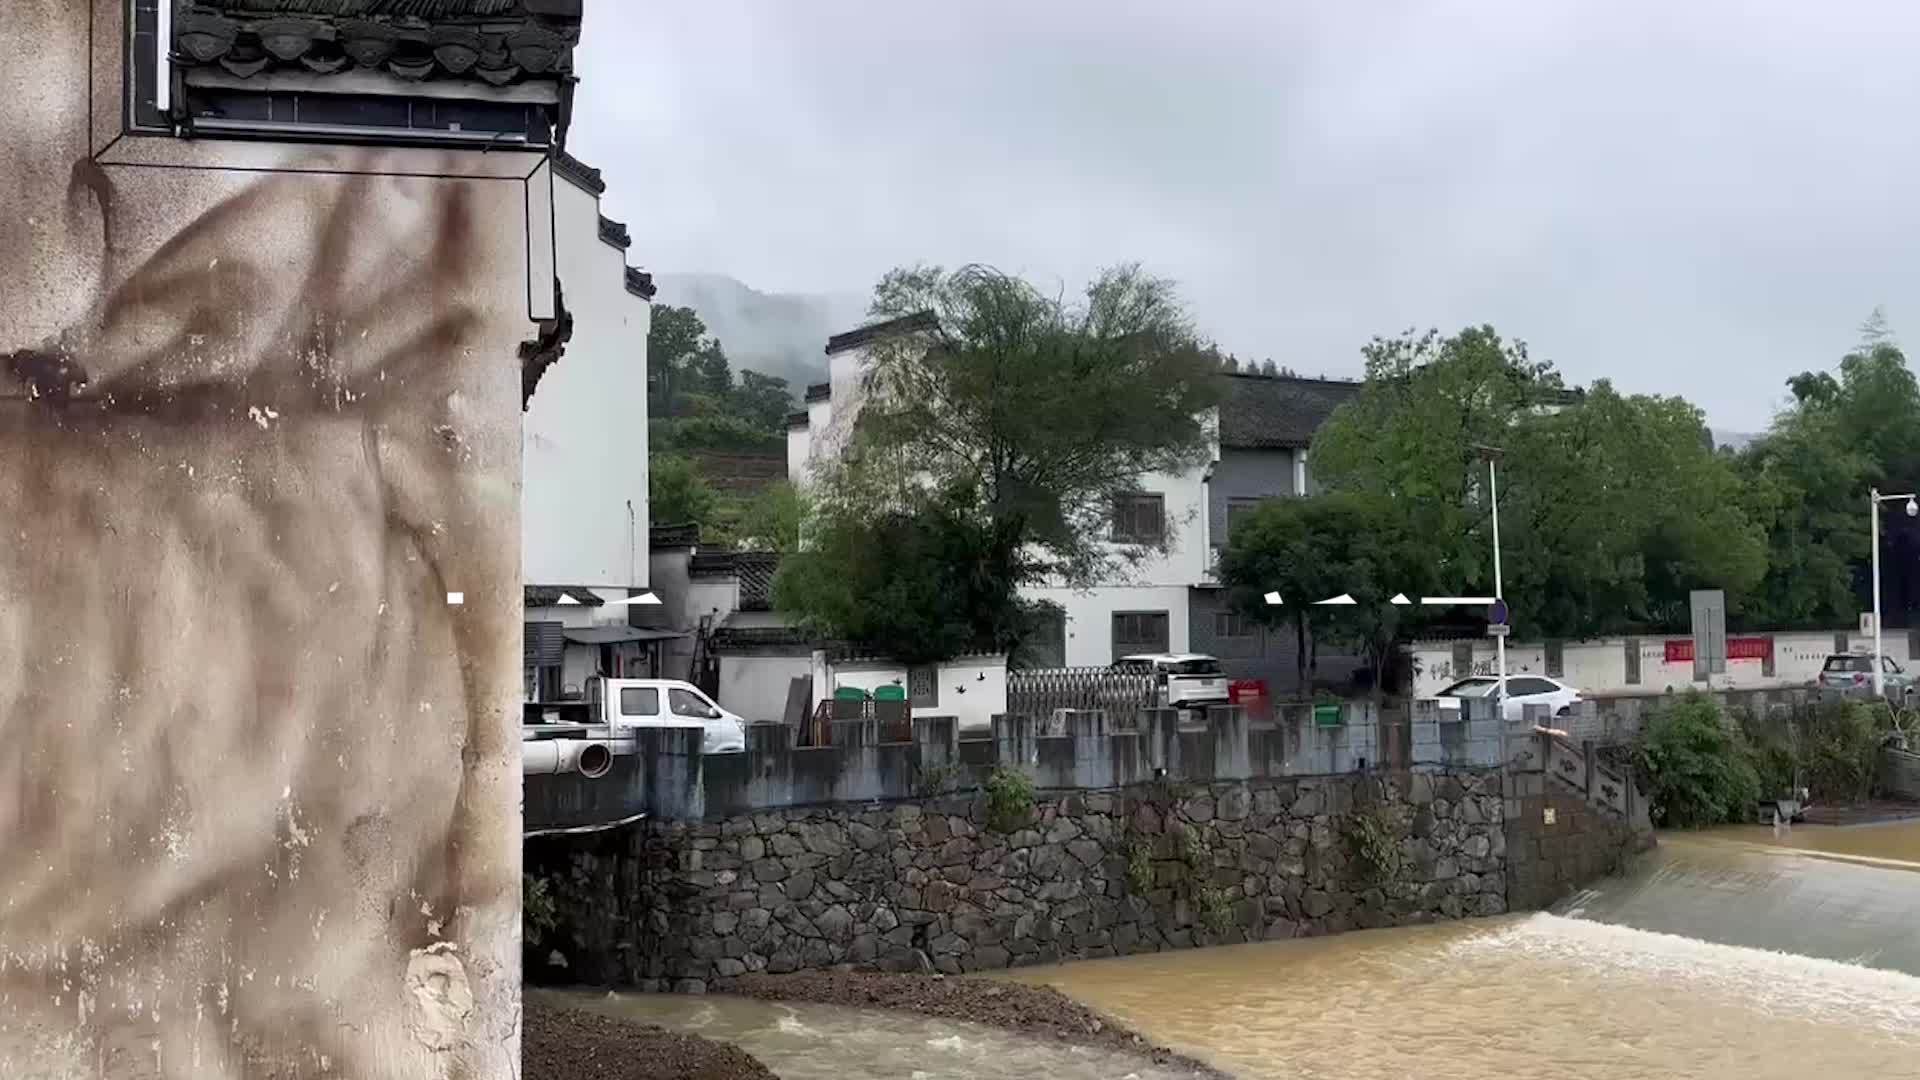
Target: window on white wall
x,y
1136,632
1140,518
1233,624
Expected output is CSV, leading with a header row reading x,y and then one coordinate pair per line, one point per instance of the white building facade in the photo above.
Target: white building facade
x,y
584,516
1168,601
584,452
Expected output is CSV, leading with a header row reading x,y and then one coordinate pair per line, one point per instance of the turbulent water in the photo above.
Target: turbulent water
x,y
1728,955
1736,954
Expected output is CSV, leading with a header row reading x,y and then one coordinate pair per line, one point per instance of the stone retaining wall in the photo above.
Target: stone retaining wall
x,y
928,884
1900,773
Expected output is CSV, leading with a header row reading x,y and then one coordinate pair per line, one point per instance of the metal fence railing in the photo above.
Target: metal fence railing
x,y
1037,692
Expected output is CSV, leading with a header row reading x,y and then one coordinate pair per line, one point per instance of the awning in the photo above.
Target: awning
x,y
614,635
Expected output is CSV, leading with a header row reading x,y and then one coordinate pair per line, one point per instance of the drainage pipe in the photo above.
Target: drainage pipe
x,y
545,757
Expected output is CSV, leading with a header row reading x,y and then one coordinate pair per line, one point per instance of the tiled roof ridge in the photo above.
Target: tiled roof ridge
x,y
494,41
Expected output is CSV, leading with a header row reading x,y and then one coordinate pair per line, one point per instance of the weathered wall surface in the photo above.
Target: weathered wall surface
x,y
928,884
259,805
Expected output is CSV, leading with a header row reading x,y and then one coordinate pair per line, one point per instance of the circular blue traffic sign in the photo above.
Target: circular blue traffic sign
x,y
1497,614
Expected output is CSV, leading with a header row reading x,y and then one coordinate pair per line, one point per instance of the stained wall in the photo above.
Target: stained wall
x,y
258,801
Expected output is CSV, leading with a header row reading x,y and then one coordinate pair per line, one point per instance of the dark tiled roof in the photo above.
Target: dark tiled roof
x,y
905,324
682,535
796,419
1276,411
753,570
486,41
711,564
549,595
640,283
613,232
579,172
818,392
727,639
496,42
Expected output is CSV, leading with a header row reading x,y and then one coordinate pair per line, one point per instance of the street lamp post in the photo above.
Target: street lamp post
x,y
1491,455
1874,499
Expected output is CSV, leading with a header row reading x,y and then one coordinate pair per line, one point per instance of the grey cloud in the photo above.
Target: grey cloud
x,y
1697,199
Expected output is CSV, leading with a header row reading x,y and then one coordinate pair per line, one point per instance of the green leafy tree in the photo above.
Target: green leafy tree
x,y
1695,767
1613,510
762,400
1612,507
1040,410
677,493
1807,479
1343,543
1413,433
675,339
770,520
990,448
922,580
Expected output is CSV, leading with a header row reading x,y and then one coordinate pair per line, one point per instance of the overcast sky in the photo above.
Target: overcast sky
x,y
1688,198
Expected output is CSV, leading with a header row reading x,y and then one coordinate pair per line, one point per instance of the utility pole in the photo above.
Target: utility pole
x,y
1874,499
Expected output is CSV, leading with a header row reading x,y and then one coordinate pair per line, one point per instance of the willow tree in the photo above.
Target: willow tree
x,y
1028,413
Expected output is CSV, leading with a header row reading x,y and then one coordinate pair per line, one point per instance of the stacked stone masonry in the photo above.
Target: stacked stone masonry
x,y
927,885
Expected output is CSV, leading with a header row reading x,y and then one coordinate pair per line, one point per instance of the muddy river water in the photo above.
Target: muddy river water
x,y
1737,954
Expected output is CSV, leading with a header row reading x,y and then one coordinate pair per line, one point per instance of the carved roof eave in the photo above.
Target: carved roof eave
x,y
493,45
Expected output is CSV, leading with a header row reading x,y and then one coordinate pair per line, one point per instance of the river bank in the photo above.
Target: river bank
x,y
1039,1011
558,1043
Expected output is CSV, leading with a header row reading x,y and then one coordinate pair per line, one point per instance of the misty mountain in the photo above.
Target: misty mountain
x,y
779,334
1732,439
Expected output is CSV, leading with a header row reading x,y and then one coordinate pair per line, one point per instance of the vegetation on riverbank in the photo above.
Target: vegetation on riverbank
x,y
1701,765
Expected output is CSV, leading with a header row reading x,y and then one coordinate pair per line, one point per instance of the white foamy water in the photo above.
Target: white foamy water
x,y
1774,983
823,1042
1715,960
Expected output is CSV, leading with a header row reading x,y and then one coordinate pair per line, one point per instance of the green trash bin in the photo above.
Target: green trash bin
x,y
849,693
890,693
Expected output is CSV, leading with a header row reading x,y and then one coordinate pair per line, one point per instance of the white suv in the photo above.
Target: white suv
x,y
1185,679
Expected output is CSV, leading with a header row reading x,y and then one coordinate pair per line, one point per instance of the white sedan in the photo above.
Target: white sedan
x,y
1522,691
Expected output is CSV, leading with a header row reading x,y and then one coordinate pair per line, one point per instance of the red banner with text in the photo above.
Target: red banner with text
x,y
1680,650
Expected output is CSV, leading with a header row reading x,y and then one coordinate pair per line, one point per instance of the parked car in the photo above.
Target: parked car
x,y
1184,680
1852,673
1522,691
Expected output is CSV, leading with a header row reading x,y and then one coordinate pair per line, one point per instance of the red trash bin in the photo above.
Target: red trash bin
x,y
1251,695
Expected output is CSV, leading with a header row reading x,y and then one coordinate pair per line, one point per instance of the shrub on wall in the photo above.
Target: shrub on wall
x,y
1375,843
539,914
1840,748
1695,767
1009,799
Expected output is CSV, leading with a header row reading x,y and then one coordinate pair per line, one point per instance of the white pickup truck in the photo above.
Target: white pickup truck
x,y
583,736
1183,680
